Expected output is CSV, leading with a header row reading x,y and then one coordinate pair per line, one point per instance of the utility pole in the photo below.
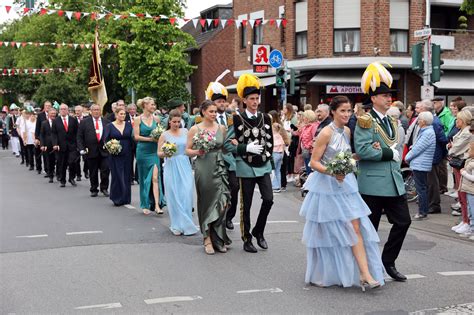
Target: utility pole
x,y
427,47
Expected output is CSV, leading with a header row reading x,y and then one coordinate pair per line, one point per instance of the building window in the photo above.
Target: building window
x,y
210,15
399,41
347,41
301,43
258,32
346,26
243,36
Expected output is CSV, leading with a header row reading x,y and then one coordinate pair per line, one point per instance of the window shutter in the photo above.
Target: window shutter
x,y
346,14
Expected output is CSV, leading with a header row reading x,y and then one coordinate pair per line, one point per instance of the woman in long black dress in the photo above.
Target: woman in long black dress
x,y
120,165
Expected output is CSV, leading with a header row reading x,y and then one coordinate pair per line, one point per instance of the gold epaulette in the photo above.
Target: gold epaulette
x,y
197,119
365,121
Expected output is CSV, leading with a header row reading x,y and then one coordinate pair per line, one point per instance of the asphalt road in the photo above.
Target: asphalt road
x,y
64,252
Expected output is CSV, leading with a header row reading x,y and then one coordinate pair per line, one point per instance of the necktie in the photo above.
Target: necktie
x,y
221,120
65,123
387,125
50,123
97,130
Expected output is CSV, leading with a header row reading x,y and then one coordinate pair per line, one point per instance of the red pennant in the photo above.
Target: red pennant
x,y
203,22
8,8
284,22
140,15
1,43
69,45
43,11
244,22
23,44
216,22
25,10
258,22
272,22
93,15
36,44
108,16
58,45
156,18
123,17
230,21
82,46
12,44
60,12
77,15
114,45
172,20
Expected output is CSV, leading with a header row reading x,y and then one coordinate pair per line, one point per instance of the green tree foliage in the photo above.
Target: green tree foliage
x,y
468,6
144,59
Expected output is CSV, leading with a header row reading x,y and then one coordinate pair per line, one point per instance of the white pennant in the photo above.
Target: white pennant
x,y
6,43
25,71
147,15
110,46
75,46
30,43
252,23
51,12
117,16
18,45
69,14
209,22
223,23
88,46
195,22
84,14
132,15
100,16
264,22
238,23
42,44
278,23
16,9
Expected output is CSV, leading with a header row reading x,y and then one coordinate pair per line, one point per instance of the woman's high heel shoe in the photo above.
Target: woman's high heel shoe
x,y
146,211
158,210
208,248
366,285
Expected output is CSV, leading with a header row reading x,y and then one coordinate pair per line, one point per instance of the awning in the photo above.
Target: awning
x,y
263,82
340,77
456,80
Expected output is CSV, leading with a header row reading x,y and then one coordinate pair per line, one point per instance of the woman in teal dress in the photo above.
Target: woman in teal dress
x,y
178,178
212,185
148,163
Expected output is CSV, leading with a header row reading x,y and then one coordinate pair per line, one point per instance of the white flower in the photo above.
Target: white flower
x,y
340,155
353,162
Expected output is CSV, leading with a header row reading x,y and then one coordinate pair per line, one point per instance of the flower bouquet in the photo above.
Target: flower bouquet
x,y
113,147
204,140
156,133
342,164
169,149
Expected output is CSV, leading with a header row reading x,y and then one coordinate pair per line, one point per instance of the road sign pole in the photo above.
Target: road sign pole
x,y
427,61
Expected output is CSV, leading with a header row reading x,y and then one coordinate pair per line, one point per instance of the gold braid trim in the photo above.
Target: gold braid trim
x,y
365,121
385,137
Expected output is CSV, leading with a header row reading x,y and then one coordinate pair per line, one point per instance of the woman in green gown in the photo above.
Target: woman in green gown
x,y
212,185
148,162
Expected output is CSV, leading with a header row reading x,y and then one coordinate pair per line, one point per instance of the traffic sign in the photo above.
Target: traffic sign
x,y
423,33
276,58
427,92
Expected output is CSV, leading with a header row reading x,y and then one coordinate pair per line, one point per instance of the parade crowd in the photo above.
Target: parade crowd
x,y
226,147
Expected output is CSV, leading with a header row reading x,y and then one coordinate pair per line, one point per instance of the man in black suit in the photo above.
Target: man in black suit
x,y
90,143
79,112
43,116
46,144
64,133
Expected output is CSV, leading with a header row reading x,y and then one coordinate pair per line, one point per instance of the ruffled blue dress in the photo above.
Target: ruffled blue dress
x,y
329,208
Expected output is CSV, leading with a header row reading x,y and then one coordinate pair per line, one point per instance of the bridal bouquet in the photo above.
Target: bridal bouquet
x,y
113,147
169,149
342,164
204,140
156,133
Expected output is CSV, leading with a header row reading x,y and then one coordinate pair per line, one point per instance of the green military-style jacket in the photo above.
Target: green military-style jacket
x,y
188,121
378,174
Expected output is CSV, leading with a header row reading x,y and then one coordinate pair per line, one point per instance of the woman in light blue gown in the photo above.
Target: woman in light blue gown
x,y
178,178
342,244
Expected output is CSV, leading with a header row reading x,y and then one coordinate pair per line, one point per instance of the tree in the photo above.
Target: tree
x,y
468,6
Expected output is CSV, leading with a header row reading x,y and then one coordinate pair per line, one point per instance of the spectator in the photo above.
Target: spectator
x,y
394,112
308,131
308,107
402,116
410,113
280,142
290,122
467,186
420,159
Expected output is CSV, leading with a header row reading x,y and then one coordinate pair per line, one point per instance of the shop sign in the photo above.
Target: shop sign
x,y
343,89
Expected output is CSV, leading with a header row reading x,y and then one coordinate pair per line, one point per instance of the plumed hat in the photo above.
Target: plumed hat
x,y
376,79
248,84
216,90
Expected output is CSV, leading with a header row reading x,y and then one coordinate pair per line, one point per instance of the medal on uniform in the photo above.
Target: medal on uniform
x,y
247,133
267,126
255,132
241,127
263,133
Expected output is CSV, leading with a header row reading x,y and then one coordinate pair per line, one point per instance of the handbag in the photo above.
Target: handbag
x,y
456,162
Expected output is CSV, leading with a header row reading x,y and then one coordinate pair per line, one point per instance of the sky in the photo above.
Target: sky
x,y
194,7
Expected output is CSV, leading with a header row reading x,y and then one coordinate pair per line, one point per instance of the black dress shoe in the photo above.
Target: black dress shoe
x,y
393,272
78,179
261,242
32,168
73,182
46,176
94,194
229,224
105,193
431,211
39,172
86,176
248,247
51,180
62,185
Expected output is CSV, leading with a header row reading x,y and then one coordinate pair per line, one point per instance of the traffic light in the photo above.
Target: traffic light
x,y
436,63
417,57
294,82
280,77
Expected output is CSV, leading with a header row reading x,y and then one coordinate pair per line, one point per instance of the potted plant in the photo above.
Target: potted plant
x,y
462,28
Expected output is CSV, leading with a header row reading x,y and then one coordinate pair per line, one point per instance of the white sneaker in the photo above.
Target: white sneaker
x,y
290,179
456,206
464,228
456,213
454,228
471,238
453,194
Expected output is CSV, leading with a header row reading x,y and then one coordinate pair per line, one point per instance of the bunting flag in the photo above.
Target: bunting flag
x,y
34,71
57,45
96,78
175,21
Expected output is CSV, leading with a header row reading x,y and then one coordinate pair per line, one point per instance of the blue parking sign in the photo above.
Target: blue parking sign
x,y
276,58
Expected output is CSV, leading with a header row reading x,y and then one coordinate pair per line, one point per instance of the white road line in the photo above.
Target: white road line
x,y
409,277
171,299
457,273
100,306
129,207
32,236
272,290
272,222
84,232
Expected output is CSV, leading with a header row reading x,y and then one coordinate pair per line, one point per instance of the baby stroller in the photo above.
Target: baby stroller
x,y
409,181
302,179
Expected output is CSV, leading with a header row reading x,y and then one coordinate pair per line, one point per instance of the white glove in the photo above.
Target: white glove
x,y
254,147
82,152
396,154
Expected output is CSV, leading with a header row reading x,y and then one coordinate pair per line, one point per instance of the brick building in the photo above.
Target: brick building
x,y
211,55
332,41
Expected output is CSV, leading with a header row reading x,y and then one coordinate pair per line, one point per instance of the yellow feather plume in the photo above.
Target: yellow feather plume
x,y
373,75
216,88
247,80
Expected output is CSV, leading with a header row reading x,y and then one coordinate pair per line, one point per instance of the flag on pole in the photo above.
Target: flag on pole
x,y
96,77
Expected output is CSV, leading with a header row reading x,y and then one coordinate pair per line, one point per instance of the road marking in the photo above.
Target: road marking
x,y
409,277
272,290
84,232
100,306
129,207
272,222
32,236
171,299
457,273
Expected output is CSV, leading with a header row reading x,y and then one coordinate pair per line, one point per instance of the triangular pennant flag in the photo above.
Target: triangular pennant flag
x,y
114,45
264,22
69,14
58,45
25,71
41,44
18,45
216,22
93,15
140,15
237,24
284,22
69,45
230,21
82,46
25,10
209,22
75,46
117,17
278,23
84,14
24,44
195,22
6,44
172,21
132,15
109,45
203,22
108,16
51,11
147,15
1,43
43,11
272,22
100,16
223,23
8,8
244,22
61,13
88,46
258,22
123,17
252,23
